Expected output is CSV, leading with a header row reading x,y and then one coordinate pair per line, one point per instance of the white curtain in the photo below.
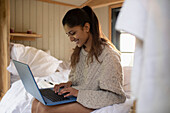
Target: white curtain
x,y
149,21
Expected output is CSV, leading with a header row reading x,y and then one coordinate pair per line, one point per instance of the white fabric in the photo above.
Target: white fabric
x,y
17,100
41,63
116,108
149,21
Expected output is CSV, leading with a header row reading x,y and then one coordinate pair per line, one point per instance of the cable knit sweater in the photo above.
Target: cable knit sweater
x,y
99,84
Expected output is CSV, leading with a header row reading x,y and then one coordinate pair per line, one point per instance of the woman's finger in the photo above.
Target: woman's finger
x,y
57,87
69,94
62,91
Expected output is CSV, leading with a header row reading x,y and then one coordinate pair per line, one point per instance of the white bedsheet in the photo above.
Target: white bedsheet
x,y
17,100
116,108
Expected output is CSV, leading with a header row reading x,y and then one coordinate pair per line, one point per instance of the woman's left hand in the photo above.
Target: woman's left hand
x,y
71,92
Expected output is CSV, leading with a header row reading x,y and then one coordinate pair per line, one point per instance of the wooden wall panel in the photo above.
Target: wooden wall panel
x,y
45,26
25,15
57,31
12,13
103,18
46,19
18,17
51,28
62,34
33,19
39,23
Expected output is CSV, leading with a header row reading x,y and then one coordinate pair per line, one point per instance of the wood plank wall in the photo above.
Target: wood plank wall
x,y
103,15
46,19
42,18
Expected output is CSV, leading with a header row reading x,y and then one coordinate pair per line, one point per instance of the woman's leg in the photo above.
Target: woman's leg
x,y
35,105
38,107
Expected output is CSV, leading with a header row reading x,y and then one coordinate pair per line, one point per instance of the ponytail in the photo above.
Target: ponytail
x,y
93,20
96,48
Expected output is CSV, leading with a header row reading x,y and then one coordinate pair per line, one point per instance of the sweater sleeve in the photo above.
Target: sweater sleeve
x,y
110,89
72,77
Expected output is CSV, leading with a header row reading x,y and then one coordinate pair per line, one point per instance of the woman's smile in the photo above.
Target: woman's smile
x,y
76,40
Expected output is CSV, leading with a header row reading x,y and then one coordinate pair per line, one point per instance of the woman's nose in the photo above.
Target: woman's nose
x,y
71,38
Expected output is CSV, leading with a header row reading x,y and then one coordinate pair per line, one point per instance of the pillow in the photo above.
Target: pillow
x,y
65,65
41,63
47,51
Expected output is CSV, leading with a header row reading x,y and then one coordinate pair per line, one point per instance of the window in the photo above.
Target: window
x,y
124,42
127,48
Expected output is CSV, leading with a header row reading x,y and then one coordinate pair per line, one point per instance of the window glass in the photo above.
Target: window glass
x,y
127,59
127,42
127,48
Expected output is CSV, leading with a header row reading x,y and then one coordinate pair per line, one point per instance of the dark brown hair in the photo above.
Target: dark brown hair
x,y
78,17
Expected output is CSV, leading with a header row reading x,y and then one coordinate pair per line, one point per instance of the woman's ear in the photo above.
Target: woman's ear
x,y
86,27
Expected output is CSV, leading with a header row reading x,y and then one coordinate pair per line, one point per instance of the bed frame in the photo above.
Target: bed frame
x,y
4,46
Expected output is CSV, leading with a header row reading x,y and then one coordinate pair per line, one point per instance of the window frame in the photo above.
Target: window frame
x,y
118,5
115,41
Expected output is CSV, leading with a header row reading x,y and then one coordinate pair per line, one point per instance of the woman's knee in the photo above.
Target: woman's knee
x,y
41,108
38,107
34,106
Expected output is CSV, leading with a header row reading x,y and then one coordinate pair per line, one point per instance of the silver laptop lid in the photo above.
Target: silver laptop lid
x,y
28,80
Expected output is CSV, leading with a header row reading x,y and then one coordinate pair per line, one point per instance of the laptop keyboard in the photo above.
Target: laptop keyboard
x,y
51,95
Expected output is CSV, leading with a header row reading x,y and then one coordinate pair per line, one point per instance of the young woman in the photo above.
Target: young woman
x,y
96,75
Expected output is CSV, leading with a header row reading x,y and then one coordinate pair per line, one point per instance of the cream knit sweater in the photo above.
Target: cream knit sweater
x,y
99,84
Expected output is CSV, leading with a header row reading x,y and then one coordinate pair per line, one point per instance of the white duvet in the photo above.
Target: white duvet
x,y
17,100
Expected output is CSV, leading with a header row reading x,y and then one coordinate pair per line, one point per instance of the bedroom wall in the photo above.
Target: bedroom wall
x,y
103,16
45,18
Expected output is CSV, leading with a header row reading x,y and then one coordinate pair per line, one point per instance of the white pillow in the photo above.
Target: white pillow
x,y
41,63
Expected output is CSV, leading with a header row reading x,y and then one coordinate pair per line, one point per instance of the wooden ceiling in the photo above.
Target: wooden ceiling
x,y
91,3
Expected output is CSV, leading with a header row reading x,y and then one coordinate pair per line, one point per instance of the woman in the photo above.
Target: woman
x,y
96,75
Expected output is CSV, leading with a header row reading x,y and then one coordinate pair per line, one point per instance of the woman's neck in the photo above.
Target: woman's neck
x,y
88,44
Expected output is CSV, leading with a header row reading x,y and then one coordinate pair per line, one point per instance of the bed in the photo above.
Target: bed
x,y
46,68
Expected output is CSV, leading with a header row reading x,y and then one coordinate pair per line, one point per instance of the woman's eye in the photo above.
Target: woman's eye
x,y
73,33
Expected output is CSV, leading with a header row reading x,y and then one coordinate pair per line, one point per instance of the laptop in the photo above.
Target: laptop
x,y
46,96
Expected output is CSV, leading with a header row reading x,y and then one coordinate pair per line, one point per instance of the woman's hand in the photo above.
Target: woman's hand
x,y
62,85
70,92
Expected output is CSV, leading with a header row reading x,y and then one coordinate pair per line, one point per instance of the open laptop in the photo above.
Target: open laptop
x,y
46,96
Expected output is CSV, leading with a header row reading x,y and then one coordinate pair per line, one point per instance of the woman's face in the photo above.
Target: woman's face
x,y
78,34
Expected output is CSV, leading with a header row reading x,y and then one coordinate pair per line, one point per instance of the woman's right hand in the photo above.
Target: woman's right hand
x,y
64,85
